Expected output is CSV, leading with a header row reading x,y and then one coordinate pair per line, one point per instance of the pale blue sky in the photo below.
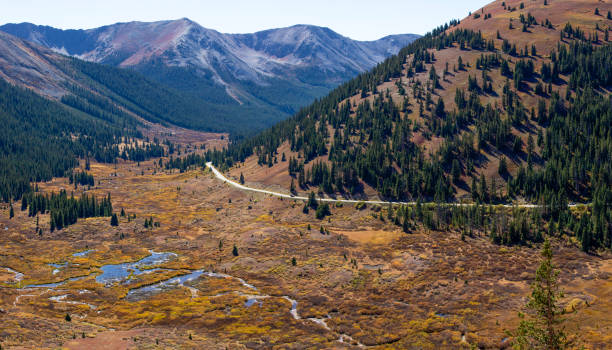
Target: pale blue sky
x,y
357,19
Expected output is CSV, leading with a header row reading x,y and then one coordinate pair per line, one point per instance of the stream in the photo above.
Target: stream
x,y
17,276
120,274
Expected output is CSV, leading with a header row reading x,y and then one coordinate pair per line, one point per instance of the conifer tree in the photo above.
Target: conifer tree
x,y
484,196
541,327
456,171
503,167
114,220
312,200
323,211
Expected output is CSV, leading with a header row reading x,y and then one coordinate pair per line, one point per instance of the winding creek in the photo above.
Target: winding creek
x,y
17,276
113,274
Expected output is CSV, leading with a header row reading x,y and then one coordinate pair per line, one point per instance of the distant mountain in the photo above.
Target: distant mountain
x,y
55,109
112,93
270,73
509,104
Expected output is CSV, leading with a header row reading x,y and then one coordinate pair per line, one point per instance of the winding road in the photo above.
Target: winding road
x,y
235,184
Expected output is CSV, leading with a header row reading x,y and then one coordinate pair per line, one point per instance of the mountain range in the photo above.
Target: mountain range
x,y
511,103
258,78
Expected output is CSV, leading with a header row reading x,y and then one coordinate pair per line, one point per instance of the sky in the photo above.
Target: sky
x,y
357,19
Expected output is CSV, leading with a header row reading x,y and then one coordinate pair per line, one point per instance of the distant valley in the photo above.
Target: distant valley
x,y
253,80
453,195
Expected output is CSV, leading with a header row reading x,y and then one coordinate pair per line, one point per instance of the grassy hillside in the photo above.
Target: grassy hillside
x,y
461,94
462,113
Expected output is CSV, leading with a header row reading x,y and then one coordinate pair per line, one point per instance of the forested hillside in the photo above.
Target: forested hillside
x,y
57,109
234,80
153,101
464,114
99,116
119,91
41,138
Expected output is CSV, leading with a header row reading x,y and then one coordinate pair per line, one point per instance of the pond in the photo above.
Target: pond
x,y
112,274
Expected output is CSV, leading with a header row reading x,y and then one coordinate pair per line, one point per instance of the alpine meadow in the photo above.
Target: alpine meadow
x,y
164,185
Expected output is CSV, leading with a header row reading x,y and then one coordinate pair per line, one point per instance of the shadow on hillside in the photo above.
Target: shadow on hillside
x,y
462,185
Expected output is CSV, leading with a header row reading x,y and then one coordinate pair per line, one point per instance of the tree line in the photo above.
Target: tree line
x,y
65,210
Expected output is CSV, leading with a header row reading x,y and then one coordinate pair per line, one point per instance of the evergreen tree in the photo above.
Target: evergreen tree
x,y
312,201
439,111
235,251
541,328
456,171
241,179
503,167
474,188
484,196
114,220
11,212
323,211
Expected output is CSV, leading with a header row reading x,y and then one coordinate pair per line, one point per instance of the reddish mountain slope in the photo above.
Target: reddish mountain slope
x,y
534,26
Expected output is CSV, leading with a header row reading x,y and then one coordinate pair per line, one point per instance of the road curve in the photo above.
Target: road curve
x,y
222,177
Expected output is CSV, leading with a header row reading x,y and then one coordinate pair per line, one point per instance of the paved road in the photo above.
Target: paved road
x,y
222,177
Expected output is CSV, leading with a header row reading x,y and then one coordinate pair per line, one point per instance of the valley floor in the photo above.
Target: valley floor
x,y
361,283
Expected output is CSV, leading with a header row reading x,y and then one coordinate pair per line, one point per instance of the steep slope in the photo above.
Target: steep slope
x,y
462,113
29,65
53,75
55,109
269,73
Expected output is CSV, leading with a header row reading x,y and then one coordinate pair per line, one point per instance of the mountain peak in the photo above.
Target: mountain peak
x,y
233,68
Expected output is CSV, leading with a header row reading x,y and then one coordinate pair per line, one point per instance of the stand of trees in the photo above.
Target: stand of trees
x,y
81,178
65,210
370,143
592,225
41,139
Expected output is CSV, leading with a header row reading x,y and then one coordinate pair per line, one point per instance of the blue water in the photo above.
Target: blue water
x,y
56,284
59,265
119,272
161,286
83,253
114,273
251,302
